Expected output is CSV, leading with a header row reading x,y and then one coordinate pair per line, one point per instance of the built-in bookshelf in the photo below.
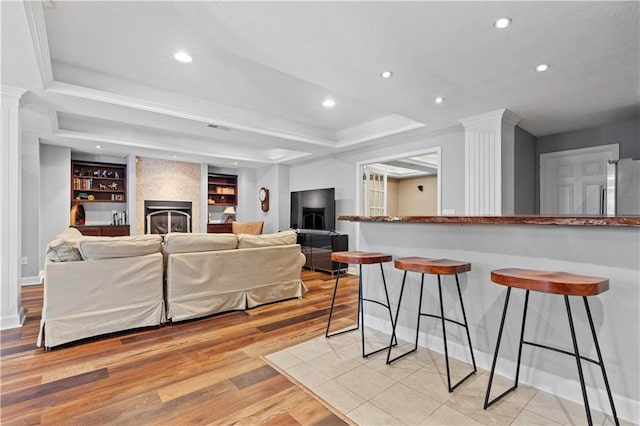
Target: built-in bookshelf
x,y
222,190
93,182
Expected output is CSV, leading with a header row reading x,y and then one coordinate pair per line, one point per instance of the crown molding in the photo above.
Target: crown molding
x,y
35,19
134,103
375,129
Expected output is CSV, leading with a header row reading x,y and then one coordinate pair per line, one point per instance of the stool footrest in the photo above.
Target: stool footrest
x,y
446,319
562,351
327,335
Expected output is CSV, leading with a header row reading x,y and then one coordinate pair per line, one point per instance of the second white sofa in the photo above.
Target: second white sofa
x,y
213,273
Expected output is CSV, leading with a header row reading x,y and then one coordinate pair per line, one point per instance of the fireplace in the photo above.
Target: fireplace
x,y
162,217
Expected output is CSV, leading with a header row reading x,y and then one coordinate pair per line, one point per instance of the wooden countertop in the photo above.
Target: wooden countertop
x,y
504,220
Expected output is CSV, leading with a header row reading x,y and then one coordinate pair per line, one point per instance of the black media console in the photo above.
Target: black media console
x,y
317,247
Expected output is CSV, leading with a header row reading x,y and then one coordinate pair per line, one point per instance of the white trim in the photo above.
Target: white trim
x,y
140,104
29,281
375,129
38,30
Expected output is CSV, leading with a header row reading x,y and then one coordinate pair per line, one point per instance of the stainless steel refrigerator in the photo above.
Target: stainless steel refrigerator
x,y
622,195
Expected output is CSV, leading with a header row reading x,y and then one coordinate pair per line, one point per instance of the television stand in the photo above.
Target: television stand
x,y
317,247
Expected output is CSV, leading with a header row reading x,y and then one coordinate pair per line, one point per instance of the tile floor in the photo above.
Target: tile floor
x,y
412,391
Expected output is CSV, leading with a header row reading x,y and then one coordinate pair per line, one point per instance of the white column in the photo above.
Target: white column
x,y
12,312
489,172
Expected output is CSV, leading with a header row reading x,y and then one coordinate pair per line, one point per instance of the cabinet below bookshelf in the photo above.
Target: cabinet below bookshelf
x,y
104,231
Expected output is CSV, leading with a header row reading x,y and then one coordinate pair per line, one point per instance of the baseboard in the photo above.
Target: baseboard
x,y
627,409
29,281
13,321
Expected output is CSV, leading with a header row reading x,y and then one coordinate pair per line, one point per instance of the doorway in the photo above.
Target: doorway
x,y
402,185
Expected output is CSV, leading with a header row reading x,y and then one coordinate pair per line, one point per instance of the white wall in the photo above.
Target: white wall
x,y
30,208
276,179
55,190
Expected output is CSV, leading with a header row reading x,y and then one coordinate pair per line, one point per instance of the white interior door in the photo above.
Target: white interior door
x,y
572,182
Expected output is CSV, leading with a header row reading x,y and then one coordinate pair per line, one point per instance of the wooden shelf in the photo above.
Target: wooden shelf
x,y
222,190
93,182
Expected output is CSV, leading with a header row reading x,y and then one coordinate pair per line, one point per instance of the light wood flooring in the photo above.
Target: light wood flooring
x,y
206,371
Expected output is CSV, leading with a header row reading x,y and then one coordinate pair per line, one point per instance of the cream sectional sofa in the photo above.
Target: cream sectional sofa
x,y
99,285
213,273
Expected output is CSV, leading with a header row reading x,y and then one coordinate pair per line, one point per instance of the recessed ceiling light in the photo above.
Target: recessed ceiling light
x,y
235,163
542,67
502,23
328,103
386,74
183,57
439,100
99,146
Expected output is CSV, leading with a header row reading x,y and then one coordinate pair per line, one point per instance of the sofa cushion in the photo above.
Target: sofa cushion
x,y
64,248
192,242
111,247
277,239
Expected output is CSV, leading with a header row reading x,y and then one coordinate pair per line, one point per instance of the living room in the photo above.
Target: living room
x,y
250,102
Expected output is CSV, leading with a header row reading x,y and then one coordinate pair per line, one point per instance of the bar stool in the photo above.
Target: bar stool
x,y
564,284
360,258
436,267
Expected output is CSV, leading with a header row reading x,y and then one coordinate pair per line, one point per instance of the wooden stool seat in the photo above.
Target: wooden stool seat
x,y
360,257
562,283
424,265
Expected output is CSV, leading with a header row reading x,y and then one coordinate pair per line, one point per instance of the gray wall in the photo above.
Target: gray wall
x,y
627,134
525,184
55,189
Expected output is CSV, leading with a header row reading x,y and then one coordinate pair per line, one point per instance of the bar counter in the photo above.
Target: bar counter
x,y
597,246
526,220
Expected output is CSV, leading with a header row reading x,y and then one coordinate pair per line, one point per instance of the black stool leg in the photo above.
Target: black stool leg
x,y
604,373
333,300
415,347
524,320
466,325
577,355
488,403
386,294
361,308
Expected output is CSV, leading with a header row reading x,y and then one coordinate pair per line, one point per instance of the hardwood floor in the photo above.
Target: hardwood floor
x,y
206,371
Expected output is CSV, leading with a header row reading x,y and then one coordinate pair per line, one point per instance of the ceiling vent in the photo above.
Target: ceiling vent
x,y
218,126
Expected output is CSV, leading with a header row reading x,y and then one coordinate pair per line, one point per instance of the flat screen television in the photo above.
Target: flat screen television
x,y
313,209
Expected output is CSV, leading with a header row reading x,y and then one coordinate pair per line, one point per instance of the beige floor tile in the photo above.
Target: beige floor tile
x,y
310,349
334,364
527,418
405,404
370,415
284,359
307,375
562,411
429,383
365,382
341,398
445,416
